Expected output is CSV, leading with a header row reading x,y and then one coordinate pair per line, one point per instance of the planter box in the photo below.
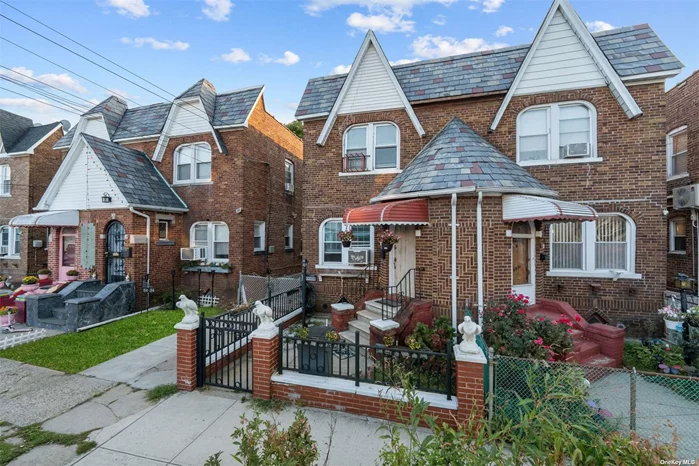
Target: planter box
x,y
206,269
314,358
7,320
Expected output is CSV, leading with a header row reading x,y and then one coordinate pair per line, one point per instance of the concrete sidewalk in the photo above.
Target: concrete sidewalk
x,y
187,428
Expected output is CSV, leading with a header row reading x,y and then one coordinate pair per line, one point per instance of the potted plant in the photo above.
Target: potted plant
x,y
346,237
3,279
72,275
673,323
387,238
692,320
44,274
30,283
7,316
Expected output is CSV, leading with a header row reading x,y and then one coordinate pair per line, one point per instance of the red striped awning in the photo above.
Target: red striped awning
x,y
408,212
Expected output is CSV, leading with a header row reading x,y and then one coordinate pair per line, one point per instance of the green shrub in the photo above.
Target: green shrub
x,y
433,338
647,356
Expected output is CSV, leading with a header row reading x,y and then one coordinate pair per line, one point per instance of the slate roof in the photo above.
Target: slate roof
x,y
204,90
143,121
65,141
457,157
233,108
113,110
19,133
631,50
134,174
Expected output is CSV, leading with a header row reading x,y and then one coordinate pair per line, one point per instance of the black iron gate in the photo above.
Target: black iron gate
x,y
224,352
116,267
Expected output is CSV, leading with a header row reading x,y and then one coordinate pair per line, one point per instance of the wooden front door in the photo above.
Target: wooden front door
x,y
67,258
523,263
403,258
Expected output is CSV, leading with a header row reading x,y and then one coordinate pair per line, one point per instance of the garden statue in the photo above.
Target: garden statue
x,y
469,330
265,315
190,308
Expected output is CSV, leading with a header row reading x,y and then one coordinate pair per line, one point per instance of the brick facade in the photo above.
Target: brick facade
x,y
625,146
31,175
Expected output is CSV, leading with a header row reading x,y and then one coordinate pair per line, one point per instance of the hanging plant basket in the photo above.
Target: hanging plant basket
x,y
346,244
386,247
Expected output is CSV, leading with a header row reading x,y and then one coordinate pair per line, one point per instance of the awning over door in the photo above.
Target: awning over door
x,y
408,212
520,208
55,218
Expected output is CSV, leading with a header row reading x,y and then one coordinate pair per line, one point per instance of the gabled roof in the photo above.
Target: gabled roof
x,y
634,52
234,108
133,172
33,136
206,92
112,110
67,138
19,135
142,121
457,160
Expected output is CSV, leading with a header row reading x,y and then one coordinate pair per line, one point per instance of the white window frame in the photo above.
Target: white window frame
x,y
553,119
289,233
192,164
589,236
669,143
370,148
289,168
673,235
262,235
167,230
345,251
12,246
5,181
210,240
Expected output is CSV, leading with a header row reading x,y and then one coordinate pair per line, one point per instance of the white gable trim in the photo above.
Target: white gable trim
x,y
370,39
165,134
36,144
614,82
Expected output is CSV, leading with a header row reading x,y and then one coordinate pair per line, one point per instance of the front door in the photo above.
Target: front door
x,y
402,260
523,262
116,268
66,259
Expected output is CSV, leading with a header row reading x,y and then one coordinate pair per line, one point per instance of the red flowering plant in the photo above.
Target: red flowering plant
x,y
509,330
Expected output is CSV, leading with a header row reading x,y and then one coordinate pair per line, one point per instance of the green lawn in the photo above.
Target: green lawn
x,y
75,352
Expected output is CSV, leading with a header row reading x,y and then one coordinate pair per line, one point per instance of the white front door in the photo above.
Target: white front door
x,y
523,260
402,259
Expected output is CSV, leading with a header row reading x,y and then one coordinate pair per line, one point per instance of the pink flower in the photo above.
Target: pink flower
x,y
577,318
526,301
541,319
521,311
539,341
500,314
553,322
570,330
551,360
520,297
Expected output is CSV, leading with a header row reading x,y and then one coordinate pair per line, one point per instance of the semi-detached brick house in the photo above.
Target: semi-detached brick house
x,y
27,164
216,177
546,159
682,128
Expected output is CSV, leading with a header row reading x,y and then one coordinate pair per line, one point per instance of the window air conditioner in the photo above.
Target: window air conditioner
x,y
3,250
578,149
192,254
358,256
685,197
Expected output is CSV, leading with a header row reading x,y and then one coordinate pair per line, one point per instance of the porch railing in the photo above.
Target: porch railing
x,y
397,297
426,370
354,287
282,304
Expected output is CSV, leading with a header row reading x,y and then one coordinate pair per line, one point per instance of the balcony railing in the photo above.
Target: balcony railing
x,y
354,162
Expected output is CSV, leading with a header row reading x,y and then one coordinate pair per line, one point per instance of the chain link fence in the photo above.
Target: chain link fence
x,y
256,287
662,408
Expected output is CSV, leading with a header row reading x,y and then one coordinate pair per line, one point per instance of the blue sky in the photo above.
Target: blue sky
x,y
279,43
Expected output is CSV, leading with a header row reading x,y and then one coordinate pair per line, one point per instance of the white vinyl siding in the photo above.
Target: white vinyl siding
x,y
189,118
372,88
560,62
96,127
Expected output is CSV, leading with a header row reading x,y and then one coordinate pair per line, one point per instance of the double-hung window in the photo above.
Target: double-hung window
x,y
193,163
214,237
259,237
605,247
677,152
556,133
678,236
5,177
331,250
288,236
10,241
288,176
371,147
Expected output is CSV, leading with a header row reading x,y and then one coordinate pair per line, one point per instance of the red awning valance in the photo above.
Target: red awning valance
x,y
408,212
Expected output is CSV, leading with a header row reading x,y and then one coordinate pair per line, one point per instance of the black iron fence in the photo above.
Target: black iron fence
x,y
224,353
426,370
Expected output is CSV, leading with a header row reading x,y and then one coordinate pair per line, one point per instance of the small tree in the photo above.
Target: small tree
x,y
296,127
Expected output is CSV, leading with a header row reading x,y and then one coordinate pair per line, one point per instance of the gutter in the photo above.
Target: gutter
x,y
454,278
479,241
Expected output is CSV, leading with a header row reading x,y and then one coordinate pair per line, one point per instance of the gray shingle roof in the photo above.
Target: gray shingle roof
x,y
134,174
13,127
143,121
631,50
206,92
457,157
65,141
32,136
112,110
233,108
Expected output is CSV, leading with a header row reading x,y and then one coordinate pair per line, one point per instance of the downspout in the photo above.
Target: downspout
x,y
479,241
453,262
141,214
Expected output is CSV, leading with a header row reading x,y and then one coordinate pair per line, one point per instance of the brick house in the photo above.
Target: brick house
x,y
501,170
27,164
216,178
682,142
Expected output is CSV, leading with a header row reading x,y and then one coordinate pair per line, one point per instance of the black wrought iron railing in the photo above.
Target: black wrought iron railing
x,y
391,366
397,297
282,304
355,162
354,287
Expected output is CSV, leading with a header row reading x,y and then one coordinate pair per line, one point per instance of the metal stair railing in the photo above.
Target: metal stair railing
x,y
407,289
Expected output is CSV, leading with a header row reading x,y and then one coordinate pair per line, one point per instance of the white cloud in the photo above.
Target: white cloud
x,y
439,20
597,26
289,58
486,6
430,46
62,81
341,69
155,43
503,31
315,7
132,8
403,61
121,94
236,55
218,10
381,23
39,112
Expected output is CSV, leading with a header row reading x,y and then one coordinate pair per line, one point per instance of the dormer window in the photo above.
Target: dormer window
x,y
192,163
372,147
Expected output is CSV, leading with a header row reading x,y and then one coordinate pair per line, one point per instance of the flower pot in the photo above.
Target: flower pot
x,y
71,278
8,319
28,288
673,331
386,247
346,244
44,276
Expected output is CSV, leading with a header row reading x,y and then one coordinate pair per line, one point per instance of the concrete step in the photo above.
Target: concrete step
x,y
363,327
368,316
584,349
375,306
60,312
348,336
598,360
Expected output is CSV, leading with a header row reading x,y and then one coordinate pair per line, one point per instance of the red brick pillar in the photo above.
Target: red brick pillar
x,y
187,355
470,384
265,359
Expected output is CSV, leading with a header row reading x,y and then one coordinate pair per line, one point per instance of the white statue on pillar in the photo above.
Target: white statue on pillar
x,y
265,315
190,308
469,330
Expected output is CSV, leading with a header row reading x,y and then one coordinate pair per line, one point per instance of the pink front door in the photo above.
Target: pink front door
x,y
66,257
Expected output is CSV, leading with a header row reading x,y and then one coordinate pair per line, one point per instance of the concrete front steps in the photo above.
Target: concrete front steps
x,y
360,324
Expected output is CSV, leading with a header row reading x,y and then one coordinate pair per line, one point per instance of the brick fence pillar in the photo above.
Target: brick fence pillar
x,y
187,355
265,359
470,384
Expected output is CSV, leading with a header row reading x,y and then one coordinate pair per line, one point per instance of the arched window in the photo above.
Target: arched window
x,y
371,147
214,237
331,251
557,133
192,163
